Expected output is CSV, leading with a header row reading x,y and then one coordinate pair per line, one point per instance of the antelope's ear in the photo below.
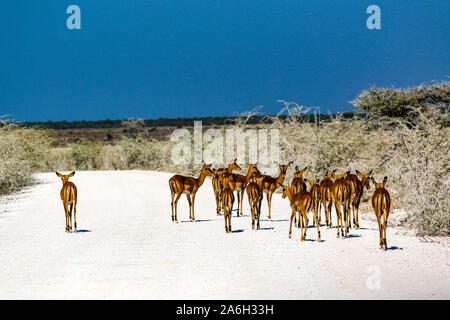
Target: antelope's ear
x,y
290,163
373,180
359,173
305,168
384,180
58,174
296,168
72,174
370,172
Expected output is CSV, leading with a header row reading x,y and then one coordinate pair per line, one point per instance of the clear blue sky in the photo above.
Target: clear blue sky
x,y
167,58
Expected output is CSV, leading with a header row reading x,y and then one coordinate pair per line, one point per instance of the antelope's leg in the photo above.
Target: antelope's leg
x,y
67,216
172,194
357,212
190,205
193,204
176,205
75,215
238,193
338,213
384,232
300,218
330,203
290,226
317,222
380,227
269,201
225,218
70,207
241,201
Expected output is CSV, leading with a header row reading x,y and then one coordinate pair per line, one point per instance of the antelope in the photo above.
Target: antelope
x,y
217,187
326,197
254,195
240,183
69,198
381,203
357,188
314,190
269,184
189,185
302,203
217,181
297,181
227,198
340,191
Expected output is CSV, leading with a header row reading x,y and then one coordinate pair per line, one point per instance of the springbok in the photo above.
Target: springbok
x,y
189,185
69,198
381,203
357,188
302,203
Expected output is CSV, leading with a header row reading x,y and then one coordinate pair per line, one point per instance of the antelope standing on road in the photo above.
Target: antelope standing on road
x,y
254,195
217,187
326,197
189,185
357,188
314,190
341,195
381,203
269,184
302,203
240,183
227,198
298,182
217,181
69,198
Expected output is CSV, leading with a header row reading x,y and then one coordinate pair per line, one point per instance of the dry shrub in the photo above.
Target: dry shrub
x,y
414,157
22,153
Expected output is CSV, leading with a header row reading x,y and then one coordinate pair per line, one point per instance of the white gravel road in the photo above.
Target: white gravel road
x,y
127,247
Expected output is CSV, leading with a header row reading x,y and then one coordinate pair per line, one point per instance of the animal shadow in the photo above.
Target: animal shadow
x,y
394,248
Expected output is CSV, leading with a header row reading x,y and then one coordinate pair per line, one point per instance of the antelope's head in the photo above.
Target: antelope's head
x,y
379,185
65,177
283,168
365,179
299,173
218,172
286,190
340,176
206,170
329,175
233,165
252,168
312,182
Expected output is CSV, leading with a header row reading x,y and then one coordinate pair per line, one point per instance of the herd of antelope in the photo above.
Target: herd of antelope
x,y
346,191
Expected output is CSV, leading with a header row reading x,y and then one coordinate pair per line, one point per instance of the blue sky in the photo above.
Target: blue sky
x,y
168,58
